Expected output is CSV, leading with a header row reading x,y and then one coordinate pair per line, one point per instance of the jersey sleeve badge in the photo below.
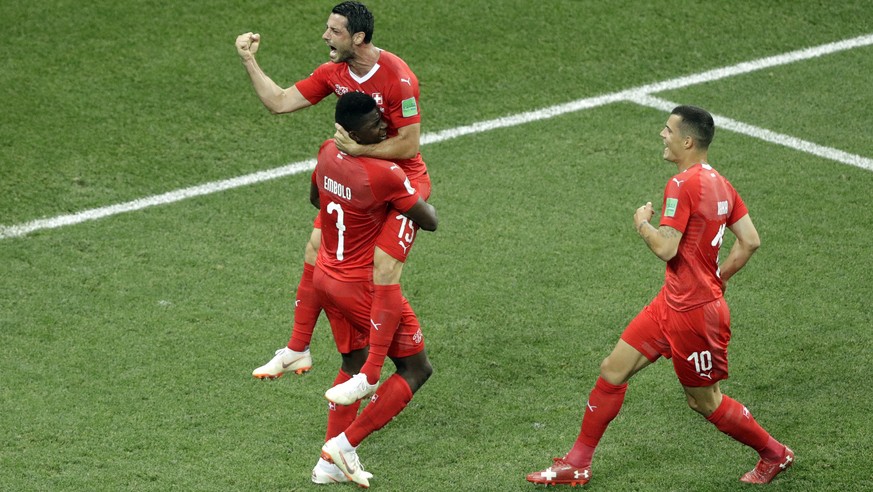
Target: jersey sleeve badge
x,y
410,107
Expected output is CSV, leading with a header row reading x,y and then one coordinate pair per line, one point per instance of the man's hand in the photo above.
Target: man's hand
x,y
643,214
247,45
345,143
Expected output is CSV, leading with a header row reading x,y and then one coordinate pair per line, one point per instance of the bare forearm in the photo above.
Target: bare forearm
x,y
661,241
394,148
268,91
737,258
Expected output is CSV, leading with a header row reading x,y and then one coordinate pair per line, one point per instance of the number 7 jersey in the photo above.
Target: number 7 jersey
x,y
355,194
699,203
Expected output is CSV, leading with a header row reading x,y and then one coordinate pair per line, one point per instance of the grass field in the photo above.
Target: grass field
x,y
128,342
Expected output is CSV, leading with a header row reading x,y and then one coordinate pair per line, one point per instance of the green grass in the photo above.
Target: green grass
x,y
128,342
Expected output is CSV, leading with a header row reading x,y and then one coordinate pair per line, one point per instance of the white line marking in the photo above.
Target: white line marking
x,y
766,135
635,95
170,197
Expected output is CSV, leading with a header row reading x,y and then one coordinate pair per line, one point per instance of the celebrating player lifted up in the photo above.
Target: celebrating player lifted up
x,y
355,65
355,195
688,320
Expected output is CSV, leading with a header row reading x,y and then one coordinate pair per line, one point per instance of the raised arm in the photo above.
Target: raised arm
x,y
275,98
744,247
402,146
663,241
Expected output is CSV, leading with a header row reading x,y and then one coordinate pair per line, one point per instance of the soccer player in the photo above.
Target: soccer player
x,y
354,195
688,320
355,65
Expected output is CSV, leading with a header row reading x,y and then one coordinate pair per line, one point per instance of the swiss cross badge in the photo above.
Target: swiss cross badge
x,y
378,97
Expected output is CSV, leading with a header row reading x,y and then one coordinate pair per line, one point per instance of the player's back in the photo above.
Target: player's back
x,y
354,195
712,204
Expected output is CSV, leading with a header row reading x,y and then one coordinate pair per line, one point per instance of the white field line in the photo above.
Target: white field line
x,y
766,135
635,95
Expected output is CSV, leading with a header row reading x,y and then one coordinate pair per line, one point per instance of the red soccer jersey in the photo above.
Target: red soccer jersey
x,y
391,83
700,204
355,194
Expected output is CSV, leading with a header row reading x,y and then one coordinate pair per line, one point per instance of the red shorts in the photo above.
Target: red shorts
x,y
347,305
696,340
398,233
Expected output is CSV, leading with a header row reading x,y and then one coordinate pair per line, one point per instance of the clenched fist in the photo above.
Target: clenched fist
x,y
247,45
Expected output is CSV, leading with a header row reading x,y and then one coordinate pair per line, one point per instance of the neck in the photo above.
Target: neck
x,y
365,59
690,160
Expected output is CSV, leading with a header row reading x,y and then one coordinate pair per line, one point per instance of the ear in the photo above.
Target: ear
x,y
354,136
688,142
358,38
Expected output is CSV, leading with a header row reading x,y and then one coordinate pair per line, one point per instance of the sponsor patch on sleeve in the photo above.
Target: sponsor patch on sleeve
x,y
410,108
671,207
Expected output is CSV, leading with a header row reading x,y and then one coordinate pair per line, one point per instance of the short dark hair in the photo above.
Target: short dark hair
x,y
696,122
358,18
351,109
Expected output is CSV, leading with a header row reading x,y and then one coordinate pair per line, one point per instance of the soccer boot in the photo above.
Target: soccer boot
x,y
561,473
347,461
765,471
285,360
326,472
351,391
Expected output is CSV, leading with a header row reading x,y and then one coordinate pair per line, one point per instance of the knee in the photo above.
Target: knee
x,y
704,405
386,269
612,372
310,253
417,375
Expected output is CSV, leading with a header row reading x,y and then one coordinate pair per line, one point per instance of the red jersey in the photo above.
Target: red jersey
x,y
355,194
391,83
700,204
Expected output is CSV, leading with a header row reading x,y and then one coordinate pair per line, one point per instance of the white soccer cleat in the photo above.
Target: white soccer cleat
x,y
326,472
345,458
351,391
285,360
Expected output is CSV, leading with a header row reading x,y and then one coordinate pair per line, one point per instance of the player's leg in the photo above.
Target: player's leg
x,y
641,344
701,338
351,342
385,310
413,369
393,246
295,356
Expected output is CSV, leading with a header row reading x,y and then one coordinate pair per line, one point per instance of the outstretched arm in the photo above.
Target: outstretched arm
x,y
402,146
747,242
275,98
663,241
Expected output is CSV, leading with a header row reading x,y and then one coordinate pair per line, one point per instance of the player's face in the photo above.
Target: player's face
x,y
374,130
674,142
337,37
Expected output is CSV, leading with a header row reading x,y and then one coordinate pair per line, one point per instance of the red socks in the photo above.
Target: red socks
x,y
390,399
731,417
735,420
306,311
384,321
602,406
340,416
